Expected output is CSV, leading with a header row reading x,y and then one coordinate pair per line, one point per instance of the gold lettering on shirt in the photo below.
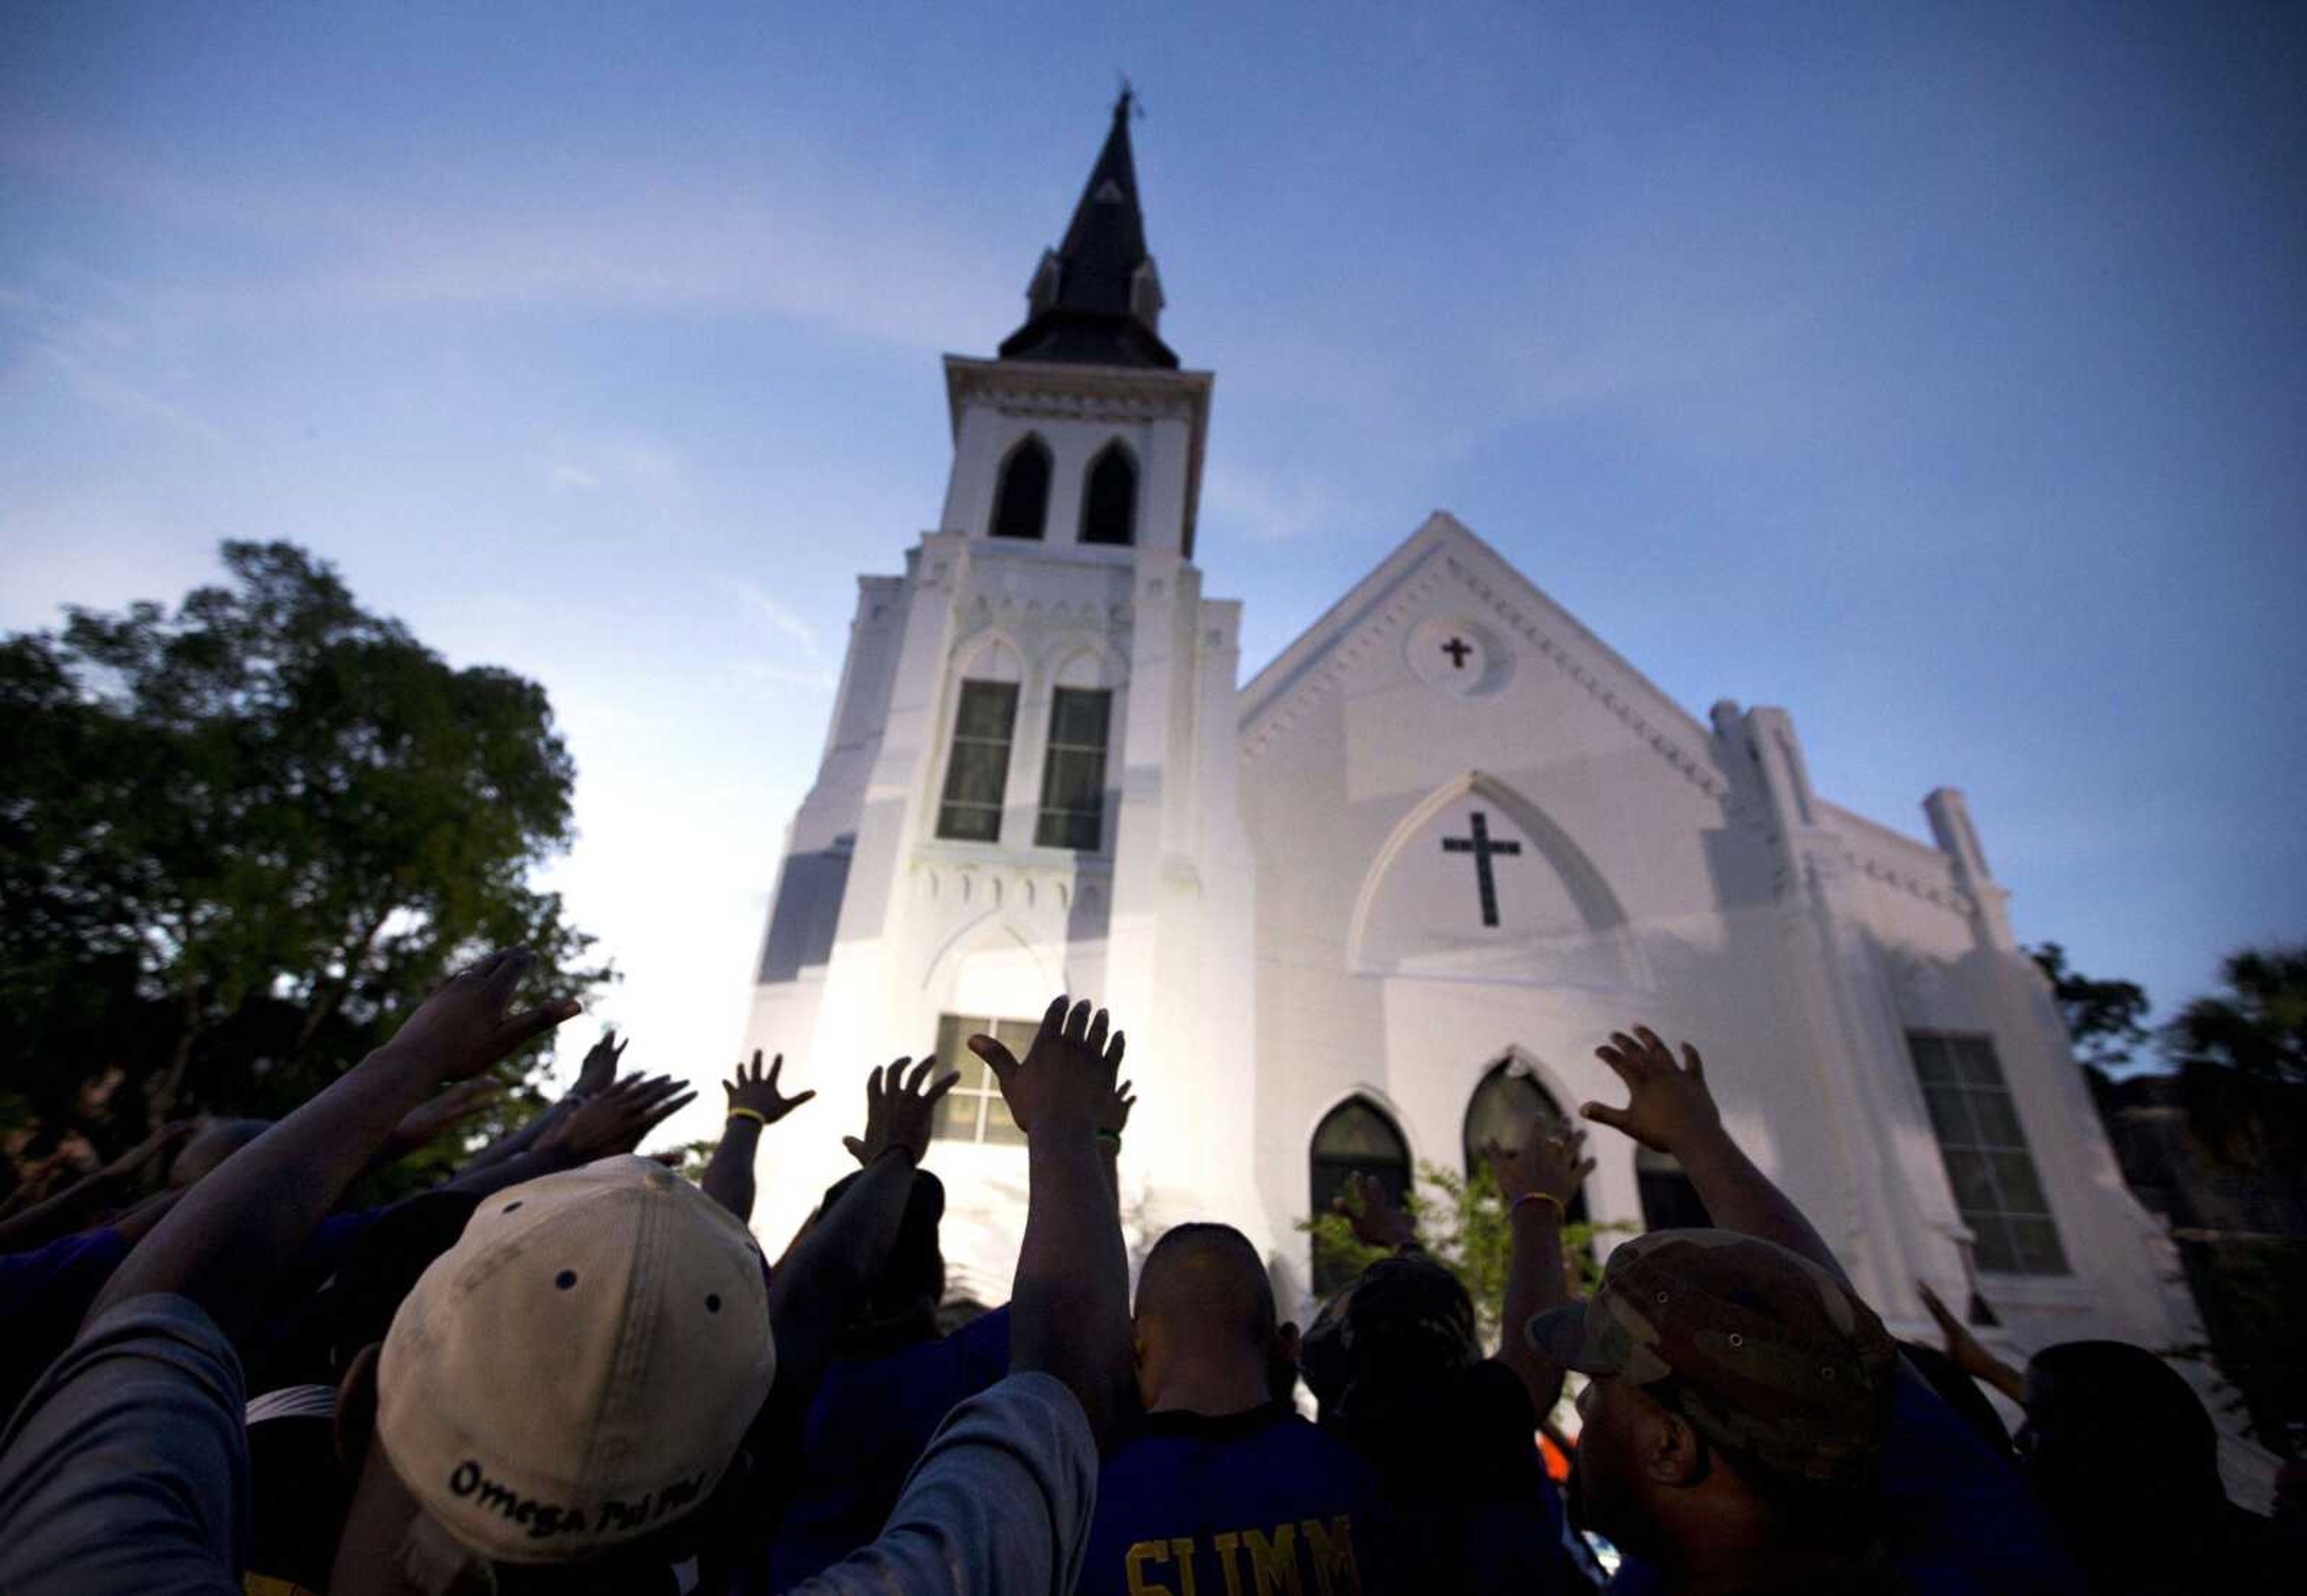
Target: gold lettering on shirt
x,y
1225,1545
1275,1563
1335,1572
1134,1561
1184,1548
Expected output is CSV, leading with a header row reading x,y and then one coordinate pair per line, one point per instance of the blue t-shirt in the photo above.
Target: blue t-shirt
x,y
45,1293
1956,1519
1254,1501
868,1424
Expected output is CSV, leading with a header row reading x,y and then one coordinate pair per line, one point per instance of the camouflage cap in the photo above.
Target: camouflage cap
x,y
1767,1355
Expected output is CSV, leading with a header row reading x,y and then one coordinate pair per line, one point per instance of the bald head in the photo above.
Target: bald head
x,y
1207,1281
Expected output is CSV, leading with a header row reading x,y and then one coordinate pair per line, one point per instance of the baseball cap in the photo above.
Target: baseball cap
x,y
576,1372
1767,1355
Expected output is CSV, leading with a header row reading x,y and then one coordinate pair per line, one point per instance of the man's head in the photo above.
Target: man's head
x,y
573,1378
1206,1323
1729,1378
2109,1423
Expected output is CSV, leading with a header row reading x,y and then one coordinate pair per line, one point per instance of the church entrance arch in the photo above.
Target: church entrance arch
x,y
1356,1137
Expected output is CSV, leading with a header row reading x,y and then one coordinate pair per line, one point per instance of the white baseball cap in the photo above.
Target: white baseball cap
x,y
576,1372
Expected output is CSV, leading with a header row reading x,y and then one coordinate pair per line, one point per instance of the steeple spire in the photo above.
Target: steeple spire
x,y
1096,298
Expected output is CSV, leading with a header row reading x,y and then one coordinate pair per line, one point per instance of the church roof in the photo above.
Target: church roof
x,y
1096,298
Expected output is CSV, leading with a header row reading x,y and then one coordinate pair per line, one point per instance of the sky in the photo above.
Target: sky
x,y
1939,374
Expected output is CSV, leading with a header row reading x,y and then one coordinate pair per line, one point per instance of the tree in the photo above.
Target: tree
x,y
2103,1016
1465,1227
2257,1028
237,843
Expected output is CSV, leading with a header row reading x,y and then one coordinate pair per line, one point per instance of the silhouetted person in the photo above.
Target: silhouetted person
x,y
2123,1457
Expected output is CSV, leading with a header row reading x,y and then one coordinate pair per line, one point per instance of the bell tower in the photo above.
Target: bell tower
x,y
1029,785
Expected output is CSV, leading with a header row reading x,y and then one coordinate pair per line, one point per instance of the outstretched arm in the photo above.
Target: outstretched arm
x,y
76,1205
755,1103
594,1076
1669,1109
1537,1182
223,1243
1969,1354
1069,1310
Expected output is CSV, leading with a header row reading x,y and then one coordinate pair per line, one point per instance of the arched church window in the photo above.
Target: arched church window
x,y
977,770
1669,1201
1500,1113
1110,501
1355,1137
1022,504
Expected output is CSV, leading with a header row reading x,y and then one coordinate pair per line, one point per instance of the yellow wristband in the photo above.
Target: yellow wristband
x,y
1560,1212
755,1115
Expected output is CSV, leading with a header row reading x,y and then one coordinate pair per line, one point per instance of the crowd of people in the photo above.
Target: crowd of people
x,y
569,1368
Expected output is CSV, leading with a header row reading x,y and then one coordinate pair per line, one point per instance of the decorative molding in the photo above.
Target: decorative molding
x,y
1936,892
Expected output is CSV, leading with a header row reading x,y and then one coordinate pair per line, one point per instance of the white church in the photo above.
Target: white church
x,y
1364,910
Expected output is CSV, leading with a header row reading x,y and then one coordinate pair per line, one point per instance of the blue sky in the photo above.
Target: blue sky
x,y
1941,377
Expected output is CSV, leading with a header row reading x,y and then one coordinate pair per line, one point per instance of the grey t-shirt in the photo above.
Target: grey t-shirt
x,y
126,1469
999,1503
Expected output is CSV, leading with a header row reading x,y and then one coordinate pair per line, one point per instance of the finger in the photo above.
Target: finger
x,y
522,1029
999,1060
856,1148
1078,1021
1697,1065
1625,1071
1632,1051
510,969
1658,1051
1618,1119
1053,1019
944,1084
663,1112
921,1072
1099,1025
799,1098
873,1088
1586,1168
776,1068
1115,1048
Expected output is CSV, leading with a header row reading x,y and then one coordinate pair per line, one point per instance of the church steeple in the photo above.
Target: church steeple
x,y
1096,298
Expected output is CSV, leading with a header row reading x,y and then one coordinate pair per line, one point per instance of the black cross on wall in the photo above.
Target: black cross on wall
x,y
1482,847
1457,649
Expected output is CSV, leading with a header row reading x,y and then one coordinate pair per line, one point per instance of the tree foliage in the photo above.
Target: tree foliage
x,y
1463,1224
2104,1018
239,841
2257,1028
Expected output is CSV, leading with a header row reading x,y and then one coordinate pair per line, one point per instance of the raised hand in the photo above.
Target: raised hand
x,y
1668,1107
616,1120
757,1095
899,1109
463,1028
599,1070
1115,1120
1068,1077
434,1115
1375,1219
1546,1164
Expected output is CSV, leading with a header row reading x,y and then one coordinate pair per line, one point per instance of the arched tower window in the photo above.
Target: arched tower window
x,y
1501,1111
1022,504
1110,499
1355,1137
1669,1201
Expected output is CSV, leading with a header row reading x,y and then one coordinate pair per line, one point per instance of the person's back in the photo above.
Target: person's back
x,y
1220,1485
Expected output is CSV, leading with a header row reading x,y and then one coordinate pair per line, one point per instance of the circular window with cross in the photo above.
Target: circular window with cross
x,y
1459,655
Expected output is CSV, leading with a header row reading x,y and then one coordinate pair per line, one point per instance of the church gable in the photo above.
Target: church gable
x,y
1454,616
